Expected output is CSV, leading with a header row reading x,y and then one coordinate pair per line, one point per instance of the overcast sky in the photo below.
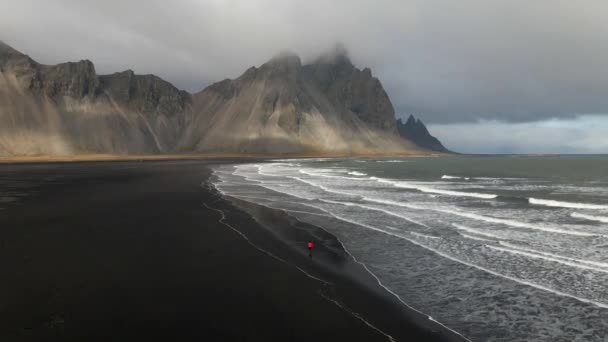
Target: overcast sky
x,y
518,68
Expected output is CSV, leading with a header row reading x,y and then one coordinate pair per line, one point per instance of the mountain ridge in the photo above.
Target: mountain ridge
x,y
281,107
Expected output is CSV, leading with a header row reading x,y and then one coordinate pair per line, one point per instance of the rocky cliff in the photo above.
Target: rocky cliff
x,y
281,107
414,130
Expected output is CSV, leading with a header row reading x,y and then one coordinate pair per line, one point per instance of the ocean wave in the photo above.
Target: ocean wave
x,y
481,268
316,174
517,224
454,177
477,232
406,185
572,205
567,258
602,219
471,237
388,212
488,219
547,257
324,188
473,216
391,161
425,236
356,173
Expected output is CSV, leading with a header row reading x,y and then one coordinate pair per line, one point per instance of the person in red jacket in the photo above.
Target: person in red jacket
x,y
310,246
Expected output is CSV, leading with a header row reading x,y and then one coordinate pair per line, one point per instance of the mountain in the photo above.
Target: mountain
x,y
282,107
414,130
68,109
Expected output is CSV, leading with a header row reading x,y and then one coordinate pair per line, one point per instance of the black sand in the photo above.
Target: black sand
x,y
115,251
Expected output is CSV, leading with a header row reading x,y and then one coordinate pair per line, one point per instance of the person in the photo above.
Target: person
x,y
310,246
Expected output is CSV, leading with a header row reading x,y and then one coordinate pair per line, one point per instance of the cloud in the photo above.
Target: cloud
x,y
446,61
585,134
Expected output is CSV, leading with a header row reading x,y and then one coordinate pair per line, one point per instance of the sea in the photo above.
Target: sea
x,y
496,248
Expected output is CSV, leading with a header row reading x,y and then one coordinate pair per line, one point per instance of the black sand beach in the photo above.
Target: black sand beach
x,y
100,251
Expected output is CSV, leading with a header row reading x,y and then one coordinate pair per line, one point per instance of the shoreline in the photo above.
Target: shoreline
x,y
186,156
333,261
104,251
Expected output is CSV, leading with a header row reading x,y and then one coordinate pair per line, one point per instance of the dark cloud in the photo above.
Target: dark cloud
x,y
447,61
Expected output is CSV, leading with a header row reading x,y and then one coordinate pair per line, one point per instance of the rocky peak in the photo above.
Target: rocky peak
x,y
285,65
73,79
354,89
144,93
415,130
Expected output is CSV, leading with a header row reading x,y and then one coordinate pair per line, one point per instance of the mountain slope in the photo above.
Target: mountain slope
x,y
415,131
68,109
281,107
285,107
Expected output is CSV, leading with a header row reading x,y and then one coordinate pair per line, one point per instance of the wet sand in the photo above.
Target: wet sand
x,y
126,250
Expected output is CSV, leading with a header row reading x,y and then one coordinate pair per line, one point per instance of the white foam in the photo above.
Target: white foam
x,y
356,173
407,185
450,177
316,174
391,161
475,238
602,219
561,204
476,231
425,236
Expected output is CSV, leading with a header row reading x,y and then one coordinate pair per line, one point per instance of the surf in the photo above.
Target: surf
x,y
602,219
571,205
425,189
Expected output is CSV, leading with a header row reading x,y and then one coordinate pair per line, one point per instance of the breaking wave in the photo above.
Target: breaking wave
x,y
572,205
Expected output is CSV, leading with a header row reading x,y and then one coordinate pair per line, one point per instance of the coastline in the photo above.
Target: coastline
x,y
139,250
348,280
193,156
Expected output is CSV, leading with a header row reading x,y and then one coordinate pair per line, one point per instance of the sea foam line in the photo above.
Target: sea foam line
x,y
315,174
476,231
425,236
454,177
405,185
561,204
475,237
602,219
